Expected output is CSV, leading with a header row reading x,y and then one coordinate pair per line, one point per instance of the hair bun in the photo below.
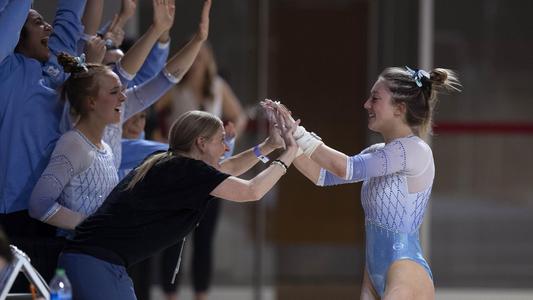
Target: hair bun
x,y
69,63
438,76
444,79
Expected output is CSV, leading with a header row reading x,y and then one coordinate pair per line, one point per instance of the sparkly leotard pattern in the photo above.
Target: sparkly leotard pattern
x,y
398,177
79,177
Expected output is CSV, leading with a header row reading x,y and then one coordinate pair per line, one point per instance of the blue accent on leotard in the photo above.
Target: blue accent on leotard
x,y
393,213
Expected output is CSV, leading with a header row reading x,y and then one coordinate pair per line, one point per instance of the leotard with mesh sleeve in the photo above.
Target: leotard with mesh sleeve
x,y
397,179
79,177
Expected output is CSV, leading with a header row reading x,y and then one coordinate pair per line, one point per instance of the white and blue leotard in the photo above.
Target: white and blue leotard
x,y
79,177
398,177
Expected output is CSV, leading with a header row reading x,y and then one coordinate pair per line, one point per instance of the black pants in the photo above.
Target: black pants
x,y
37,240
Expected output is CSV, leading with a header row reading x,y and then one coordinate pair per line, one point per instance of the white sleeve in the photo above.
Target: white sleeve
x,y
408,156
326,178
71,156
141,97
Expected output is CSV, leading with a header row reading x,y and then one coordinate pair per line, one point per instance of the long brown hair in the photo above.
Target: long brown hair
x,y
419,97
182,137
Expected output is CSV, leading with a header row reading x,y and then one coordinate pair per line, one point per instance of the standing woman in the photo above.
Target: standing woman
x,y
398,176
161,201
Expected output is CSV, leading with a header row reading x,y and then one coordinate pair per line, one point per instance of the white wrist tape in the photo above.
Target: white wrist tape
x,y
307,141
299,132
299,152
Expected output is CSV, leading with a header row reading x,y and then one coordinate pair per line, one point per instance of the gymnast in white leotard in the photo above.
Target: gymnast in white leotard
x,y
397,178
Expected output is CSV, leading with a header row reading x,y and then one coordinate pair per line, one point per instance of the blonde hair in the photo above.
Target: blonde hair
x,y
82,83
182,137
420,101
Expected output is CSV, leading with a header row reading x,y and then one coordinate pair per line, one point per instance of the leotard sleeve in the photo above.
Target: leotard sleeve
x,y
409,156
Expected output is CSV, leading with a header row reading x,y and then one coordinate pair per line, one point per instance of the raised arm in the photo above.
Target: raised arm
x,y
127,10
244,161
153,64
318,175
236,189
181,62
67,26
304,164
312,146
13,14
113,33
409,156
163,19
92,17
139,98
95,50
330,159
308,168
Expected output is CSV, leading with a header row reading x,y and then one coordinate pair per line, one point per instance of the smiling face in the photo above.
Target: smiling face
x,y
213,147
383,113
107,104
33,42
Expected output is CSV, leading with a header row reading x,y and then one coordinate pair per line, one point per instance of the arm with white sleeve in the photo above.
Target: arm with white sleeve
x,y
69,158
141,97
408,156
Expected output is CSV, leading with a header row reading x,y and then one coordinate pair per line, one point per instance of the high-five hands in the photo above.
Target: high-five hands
x,y
274,139
282,125
307,141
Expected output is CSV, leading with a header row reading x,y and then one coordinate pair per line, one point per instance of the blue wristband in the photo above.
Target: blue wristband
x,y
260,156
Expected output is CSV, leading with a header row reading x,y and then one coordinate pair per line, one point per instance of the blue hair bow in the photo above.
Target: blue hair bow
x,y
417,75
81,62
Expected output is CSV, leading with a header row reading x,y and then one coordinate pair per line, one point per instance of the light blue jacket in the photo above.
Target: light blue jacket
x,y
30,109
